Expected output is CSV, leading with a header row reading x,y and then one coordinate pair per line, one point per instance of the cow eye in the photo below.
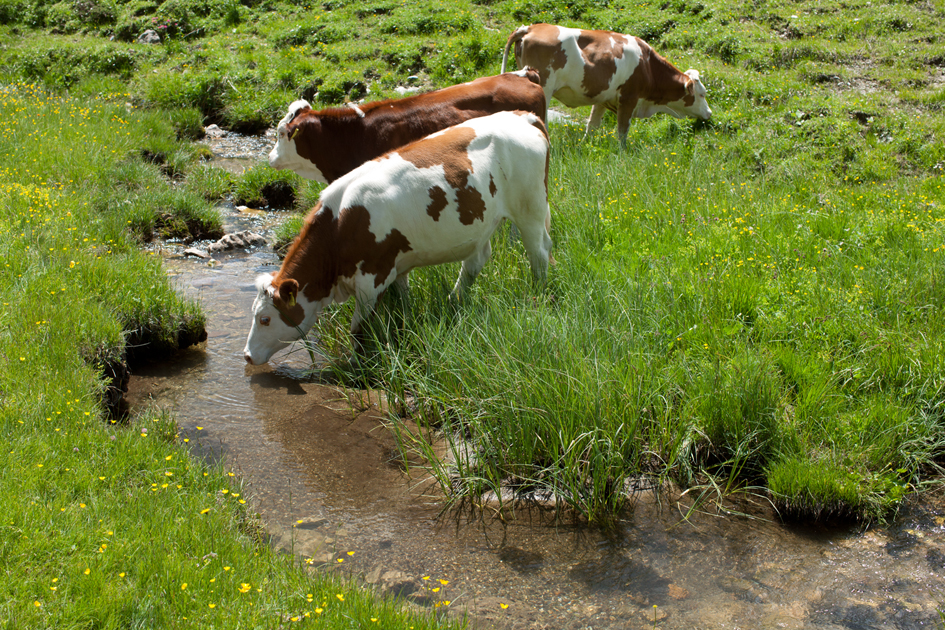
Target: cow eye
x,y
264,320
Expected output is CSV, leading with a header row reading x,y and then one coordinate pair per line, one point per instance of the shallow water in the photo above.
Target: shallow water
x,y
325,482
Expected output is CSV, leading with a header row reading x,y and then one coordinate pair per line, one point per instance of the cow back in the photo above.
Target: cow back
x,y
337,140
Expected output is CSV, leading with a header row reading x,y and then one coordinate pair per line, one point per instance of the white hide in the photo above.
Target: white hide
x,y
700,108
507,148
284,154
566,83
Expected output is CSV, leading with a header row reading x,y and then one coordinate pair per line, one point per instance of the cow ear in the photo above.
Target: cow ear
x,y
288,291
691,83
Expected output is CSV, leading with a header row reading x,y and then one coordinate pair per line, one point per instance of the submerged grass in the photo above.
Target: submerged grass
x,y
109,522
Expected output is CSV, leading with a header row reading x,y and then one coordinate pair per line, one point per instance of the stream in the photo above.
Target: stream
x,y
319,467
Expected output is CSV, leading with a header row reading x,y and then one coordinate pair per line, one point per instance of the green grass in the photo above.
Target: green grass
x,y
110,522
703,320
755,299
261,186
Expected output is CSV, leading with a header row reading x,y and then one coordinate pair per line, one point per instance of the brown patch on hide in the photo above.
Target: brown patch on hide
x,y
450,150
600,50
332,247
437,202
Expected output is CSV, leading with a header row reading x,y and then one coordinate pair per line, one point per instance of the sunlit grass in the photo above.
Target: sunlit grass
x,y
698,322
754,298
109,521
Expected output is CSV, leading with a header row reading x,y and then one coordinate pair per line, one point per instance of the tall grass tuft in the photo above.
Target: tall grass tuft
x,y
700,323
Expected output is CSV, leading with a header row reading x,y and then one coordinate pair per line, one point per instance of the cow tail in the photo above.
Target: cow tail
x,y
515,37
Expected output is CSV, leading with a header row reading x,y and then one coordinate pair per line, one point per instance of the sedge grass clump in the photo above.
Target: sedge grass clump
x,y
209,182
705,321
187,122
262,186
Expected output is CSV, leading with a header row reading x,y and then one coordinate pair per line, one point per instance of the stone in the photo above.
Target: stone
x,y
237,240
738,586
311,523
197,253
214,131
374,576
312,545
150,36
255,212
678,592
556,115
406,90
654,614
392,582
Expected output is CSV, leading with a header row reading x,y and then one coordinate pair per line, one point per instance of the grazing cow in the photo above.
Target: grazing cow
x,y
609,71
325,145
434,201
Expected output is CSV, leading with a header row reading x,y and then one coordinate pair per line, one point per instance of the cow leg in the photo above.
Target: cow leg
x,y
549,88
597,114
397,305
537,244
624,114
394,300
551,258
471,268
363,309
398,292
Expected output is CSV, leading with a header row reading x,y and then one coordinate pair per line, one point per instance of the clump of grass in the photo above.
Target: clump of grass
x,y
262,186
209,182
187,122
707,321
307,196
286,232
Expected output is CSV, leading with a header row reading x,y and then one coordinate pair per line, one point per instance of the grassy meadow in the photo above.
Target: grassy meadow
x,y
108,522
752,303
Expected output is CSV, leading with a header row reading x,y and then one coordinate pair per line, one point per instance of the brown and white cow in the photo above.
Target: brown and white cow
x,y
324,145
609,71
434,201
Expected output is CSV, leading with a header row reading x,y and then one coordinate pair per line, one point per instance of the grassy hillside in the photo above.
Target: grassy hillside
x,y
755,299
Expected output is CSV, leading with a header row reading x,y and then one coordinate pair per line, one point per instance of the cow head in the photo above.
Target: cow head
x,y
280,316
695,94
299,121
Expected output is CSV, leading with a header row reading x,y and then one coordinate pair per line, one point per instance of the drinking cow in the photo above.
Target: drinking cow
x,y
434,201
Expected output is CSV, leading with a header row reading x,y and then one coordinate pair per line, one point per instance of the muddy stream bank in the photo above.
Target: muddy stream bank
x,y
323,478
